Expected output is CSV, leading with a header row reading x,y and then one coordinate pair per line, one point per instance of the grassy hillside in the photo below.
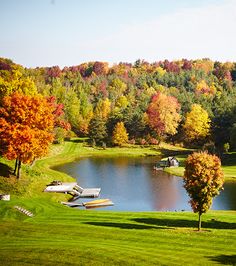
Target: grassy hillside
x,y
59,235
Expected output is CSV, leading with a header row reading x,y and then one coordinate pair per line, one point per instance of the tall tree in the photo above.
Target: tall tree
x,y
203,180
26,128
116,88
163,114
103,109
72,108
98,130
197,124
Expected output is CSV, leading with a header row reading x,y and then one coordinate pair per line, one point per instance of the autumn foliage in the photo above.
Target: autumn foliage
x,y
163,114
120,136
152,99
203,180
197,124
26,124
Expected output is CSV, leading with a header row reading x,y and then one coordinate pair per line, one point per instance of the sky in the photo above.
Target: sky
x,y
70,32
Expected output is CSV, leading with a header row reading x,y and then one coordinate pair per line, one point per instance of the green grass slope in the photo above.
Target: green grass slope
x,y
59,235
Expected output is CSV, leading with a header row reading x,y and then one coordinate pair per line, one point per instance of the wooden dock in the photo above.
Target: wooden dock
x,y
74,189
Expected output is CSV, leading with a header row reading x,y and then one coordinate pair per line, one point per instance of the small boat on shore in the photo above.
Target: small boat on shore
x,y
98,203
91,204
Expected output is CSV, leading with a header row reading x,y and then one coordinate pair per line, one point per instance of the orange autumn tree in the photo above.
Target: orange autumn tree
x,y
163,114
26,128
203,180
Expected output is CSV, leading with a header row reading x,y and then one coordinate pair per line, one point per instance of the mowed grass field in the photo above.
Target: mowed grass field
x,y
59,235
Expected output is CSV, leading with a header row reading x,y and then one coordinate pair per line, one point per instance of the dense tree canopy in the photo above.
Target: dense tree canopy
x,y
149,98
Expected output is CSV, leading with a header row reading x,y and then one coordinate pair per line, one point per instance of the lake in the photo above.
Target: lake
x,y
133,185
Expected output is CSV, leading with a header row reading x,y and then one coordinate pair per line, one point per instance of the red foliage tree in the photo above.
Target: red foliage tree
x,y
54,72
58,113
171,66
187,64
100,68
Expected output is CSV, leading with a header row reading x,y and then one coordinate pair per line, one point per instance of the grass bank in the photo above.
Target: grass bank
x,y
59,235
36,177
76,149
228,166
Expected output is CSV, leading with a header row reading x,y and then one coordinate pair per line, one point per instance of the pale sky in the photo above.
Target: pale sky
x,y
70,32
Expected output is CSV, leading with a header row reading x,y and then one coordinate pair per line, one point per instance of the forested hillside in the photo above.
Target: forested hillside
x,y
189,102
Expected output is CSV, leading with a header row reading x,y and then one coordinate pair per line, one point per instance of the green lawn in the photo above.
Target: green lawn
x,y
59,235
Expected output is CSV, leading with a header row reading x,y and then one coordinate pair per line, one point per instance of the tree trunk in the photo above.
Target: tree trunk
x,y
16,165
199,221
18,170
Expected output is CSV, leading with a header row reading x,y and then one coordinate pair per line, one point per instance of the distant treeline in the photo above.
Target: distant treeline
x,y
192,102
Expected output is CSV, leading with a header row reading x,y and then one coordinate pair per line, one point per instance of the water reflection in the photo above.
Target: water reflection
x,y
133,185
165,190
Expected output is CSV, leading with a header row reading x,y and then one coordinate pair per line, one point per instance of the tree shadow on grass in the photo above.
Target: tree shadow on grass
x,y
167,152
5,170
165,223
78,140
229,159
224,259
122,225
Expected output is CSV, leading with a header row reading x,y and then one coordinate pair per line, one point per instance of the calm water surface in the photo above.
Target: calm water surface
x,y
133,185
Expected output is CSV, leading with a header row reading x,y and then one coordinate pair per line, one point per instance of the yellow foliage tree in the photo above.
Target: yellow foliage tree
x,y
203,88
14,81
160,71
204,64
103,109
122,102
120,135
197,123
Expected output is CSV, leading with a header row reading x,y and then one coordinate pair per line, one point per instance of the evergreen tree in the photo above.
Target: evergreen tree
x,y
97,130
